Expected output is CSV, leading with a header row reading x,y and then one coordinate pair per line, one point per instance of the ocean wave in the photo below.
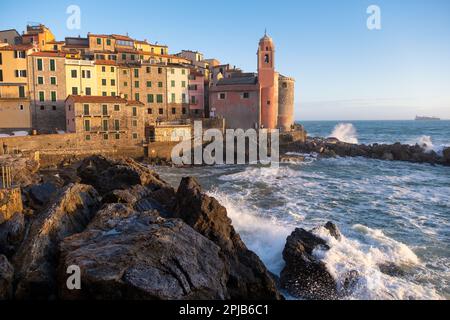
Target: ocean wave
x,y
345,132
426,142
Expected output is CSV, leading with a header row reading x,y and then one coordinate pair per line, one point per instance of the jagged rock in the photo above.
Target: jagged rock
x,y
125,254
107,175
391,269
305,276
41,194
333,230
247,277
35,261
11,234
6,278
23,170
350,282
388,156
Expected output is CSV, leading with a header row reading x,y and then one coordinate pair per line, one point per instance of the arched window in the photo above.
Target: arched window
x,y
266,58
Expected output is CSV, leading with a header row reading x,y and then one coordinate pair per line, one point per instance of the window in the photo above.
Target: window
x,y
87,137
21,107
117,125
21,73
149,70
73,73
104,93
159,98
136,97
125,96
1,75
74,91
149,84
113,94
103,82
150,98
150,111
222,96
125,84
172,83
105,110
53,81
183,71
113,82
183,98
40,66
161,111
172,71
42,108
134,112
87,125
268,102
53,95
105,136
1,58
136,73
246,95
21,92
116,107
132,57
41,96
193,100
113,69
40,80
284,85
184,110
88,74
108,42
266,58
52,65
99,41
160,84
124,57
103,69
135,136
172,98
86,109
134,122
159,70
54,108
174,111
88,91
183,84
105,125
136,84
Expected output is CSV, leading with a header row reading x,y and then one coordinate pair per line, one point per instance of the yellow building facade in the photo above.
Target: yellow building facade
x,y
107,77
81,77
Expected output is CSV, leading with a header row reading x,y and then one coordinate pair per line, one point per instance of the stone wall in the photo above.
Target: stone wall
x,y
286,98
10,203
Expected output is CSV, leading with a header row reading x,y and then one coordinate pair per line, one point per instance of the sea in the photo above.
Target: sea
x,y
389,213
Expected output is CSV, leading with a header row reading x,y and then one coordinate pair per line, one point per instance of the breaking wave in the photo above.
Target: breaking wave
x,y
345,132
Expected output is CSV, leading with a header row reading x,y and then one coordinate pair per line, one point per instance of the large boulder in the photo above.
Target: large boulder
x,y
11,234
35,261
125,254
248,278
304,275
23,170
6,278
41,194
107,175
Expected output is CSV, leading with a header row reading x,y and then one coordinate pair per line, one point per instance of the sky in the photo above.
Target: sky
x,y
343,70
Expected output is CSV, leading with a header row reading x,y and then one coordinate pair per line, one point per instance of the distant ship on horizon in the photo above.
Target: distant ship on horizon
x,y
422,118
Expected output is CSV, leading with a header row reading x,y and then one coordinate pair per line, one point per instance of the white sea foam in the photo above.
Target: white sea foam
x,y
345,132
427,144
366,255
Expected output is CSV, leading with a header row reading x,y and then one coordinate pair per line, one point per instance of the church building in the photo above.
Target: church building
x,y
255,100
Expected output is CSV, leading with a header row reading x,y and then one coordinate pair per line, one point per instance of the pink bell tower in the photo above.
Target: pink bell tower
x,y
268,80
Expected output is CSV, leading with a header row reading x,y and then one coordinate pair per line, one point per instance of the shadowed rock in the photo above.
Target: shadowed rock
x,y
247,277
6,278
35,261
125,254
11,234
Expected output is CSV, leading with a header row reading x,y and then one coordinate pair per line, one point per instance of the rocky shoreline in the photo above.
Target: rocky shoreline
x,y
332,147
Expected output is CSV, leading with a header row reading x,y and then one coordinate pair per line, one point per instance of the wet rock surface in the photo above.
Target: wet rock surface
x,y
304,275
332,147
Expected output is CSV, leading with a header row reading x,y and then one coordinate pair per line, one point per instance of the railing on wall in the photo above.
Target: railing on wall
x,y
6,182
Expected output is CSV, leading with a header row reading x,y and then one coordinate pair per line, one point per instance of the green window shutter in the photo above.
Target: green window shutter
x,y
173,83
39,64
99,41
41,96
160,84
173,98
149,84
136,96
53,80
53,96
52,65
159,98
136,73
40,80
150,98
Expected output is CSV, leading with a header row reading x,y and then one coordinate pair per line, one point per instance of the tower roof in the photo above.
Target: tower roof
x,y
265,38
